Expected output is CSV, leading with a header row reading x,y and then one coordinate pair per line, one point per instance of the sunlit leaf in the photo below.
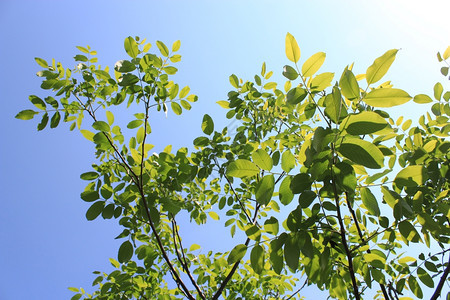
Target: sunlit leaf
x,y
349,85
131,47
362,152
380,66
162,48
264,189
411,176
207,125
313,64
365,122
27,114
262,159
292,49
236,254
242,168
369,201
257,259
386,97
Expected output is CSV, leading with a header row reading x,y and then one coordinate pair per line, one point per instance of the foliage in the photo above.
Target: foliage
x,y
318,181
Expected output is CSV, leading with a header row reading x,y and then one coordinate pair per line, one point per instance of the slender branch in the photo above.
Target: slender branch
x,y
355,220
138,183
344,239
438,290
298,291
236,264
183,261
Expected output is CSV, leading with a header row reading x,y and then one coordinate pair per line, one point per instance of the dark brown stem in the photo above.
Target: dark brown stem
x,y
236,264
355,220
344,239
176,235
438,290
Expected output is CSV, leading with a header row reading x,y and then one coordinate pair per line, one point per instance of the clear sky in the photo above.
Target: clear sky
x,y
46,244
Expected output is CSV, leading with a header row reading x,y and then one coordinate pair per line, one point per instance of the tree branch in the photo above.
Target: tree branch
x,y
438,290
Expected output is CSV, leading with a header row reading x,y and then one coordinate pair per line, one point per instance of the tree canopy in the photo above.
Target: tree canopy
x,y
318,183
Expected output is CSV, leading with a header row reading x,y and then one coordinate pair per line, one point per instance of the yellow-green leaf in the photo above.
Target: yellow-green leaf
x,y
264,189
242,168
207,125
380,66
292,48
386,97
365,122
262,159
349,85
370,202
237,254
176,46
422,98
257,259
313,64
162,48
131,47
362,152
411,176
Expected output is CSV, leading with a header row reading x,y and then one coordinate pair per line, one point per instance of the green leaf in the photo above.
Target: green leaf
x,y
128,79
43,122
131,47
257,259
242,168
207,125
101,141
313,64
90,196
176,108
162,48
27,114
322,81
41,62
101,126
276,253
411,176
292,49
214,215
386,97
296,95
380,66
234,81
287,161
87,134
176,46
425,277
415,287
300,183
124,66
370,202
292,252
55,120
223,103
349,85
125,252
362,152
184,92
365,122
438,89
422,98
334,106
306,198
170,70
271,226
408,231
264,189
236,254
285,192
110,117
262,159
290,73
37,102
89,176
95,210
134,124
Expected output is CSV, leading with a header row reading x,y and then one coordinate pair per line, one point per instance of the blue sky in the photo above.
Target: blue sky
x,y
46,242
